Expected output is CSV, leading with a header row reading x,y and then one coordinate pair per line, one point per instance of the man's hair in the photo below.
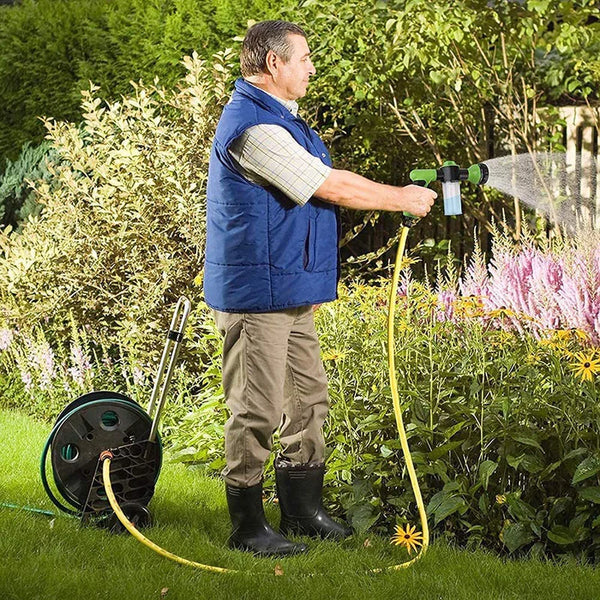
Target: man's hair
x,y
265,36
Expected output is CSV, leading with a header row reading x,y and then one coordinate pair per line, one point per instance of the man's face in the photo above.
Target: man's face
x,y
291,78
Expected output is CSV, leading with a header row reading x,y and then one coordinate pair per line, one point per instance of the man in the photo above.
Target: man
x,y
271,256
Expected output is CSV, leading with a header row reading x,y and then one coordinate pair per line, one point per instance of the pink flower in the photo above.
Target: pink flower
x,y
545,289
27,379
81,365
6,338
446,302
43,359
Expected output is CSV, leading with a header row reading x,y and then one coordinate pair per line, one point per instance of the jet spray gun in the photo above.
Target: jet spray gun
x,y
450,174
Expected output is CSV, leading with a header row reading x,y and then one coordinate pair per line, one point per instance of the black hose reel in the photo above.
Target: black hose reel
x,y
104,420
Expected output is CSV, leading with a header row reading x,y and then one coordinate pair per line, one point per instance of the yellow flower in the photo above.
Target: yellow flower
x,y
474,301
565,335
469,306
534,359
579,334
501,499
585,365
333,355
554,343
507,522
408,537
427,303
562,334
498,339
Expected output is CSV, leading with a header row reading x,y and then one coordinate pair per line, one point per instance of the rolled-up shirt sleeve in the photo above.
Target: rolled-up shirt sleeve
x,y
269,155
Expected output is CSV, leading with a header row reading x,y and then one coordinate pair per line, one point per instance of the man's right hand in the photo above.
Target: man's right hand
x,y
415,199
351,190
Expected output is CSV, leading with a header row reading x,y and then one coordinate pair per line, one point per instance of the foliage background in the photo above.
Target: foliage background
x,y
504,436
407,84
52,50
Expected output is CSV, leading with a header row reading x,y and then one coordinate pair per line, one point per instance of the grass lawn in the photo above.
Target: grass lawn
x,y
54,558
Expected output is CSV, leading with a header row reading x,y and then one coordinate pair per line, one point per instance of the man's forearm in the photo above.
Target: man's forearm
x,y
351,190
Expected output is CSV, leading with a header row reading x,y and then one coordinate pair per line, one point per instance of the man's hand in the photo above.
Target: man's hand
x,y
348,189
415,199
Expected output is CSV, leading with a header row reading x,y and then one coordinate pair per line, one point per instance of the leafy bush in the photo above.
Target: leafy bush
x,y
503,425
41,376
47,48
411,84
407,84
121,233
503,434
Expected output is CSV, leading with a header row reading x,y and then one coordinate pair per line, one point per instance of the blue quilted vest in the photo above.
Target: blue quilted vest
x,y
263,251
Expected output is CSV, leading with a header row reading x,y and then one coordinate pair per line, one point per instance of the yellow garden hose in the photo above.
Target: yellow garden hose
x,y
397,411
107,455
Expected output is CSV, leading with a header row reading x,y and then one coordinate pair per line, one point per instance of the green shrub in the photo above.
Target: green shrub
x,y
407,84
46,50
52,50
121,233
413,83
503,435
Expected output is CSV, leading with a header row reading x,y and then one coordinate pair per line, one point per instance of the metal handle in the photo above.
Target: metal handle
x,y
174,338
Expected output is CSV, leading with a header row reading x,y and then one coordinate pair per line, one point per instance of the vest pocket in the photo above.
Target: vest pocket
x,y
309,246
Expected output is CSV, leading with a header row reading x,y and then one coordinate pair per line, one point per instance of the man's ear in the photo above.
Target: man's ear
x,y
272,62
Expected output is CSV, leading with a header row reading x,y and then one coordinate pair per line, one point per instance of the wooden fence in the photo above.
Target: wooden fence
x,y
581,141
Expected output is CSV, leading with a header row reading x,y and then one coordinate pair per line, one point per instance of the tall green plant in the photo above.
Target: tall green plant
x,y
45,49
52,50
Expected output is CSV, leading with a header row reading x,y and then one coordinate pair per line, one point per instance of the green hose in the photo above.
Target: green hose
x,y
38,511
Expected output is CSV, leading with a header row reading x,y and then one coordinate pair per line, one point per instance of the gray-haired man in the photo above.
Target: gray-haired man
x,y
271,256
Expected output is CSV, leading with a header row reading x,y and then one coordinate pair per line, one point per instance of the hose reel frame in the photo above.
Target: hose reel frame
x,y
104,420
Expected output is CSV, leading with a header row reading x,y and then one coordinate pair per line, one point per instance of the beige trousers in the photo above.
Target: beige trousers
x,y
273,377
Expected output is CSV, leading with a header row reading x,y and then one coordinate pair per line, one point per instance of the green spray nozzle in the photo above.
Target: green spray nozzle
x,y
450,174
478,174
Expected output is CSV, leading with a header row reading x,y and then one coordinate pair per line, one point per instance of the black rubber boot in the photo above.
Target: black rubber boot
x,y
300,490
251,532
